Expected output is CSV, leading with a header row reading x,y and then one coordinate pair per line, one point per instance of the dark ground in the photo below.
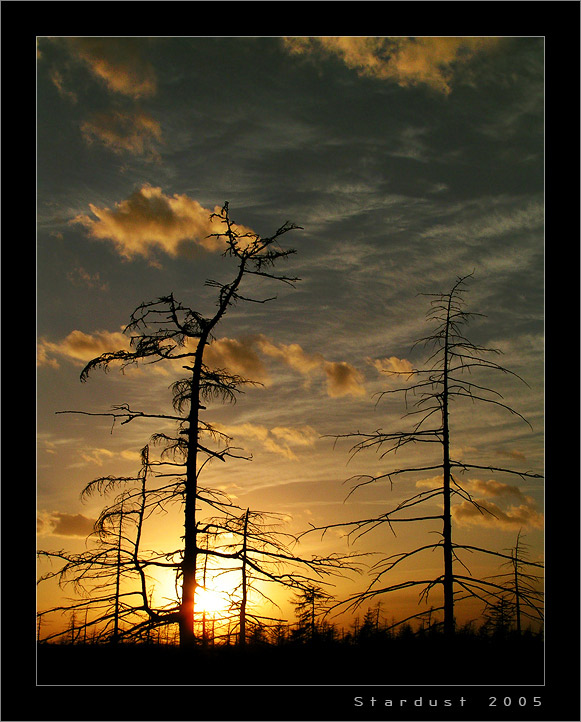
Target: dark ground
x,y
395,662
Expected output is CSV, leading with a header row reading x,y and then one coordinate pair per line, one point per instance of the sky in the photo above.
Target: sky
x,y
406,162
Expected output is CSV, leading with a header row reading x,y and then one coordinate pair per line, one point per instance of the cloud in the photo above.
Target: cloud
x,y
134,132
515,517
149,220
343,379
407,61
392,365
277,440
522,513
511,454
96,457
58,523
301,435
80,277
117,62
493,488
80,347
238,357
59,82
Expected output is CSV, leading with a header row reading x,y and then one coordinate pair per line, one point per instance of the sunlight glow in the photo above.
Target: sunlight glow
x,y
210,601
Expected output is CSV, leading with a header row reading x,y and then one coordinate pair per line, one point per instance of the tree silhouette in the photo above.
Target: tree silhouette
x,y
518,587
267,558
310,603
111,579
164,330
447,377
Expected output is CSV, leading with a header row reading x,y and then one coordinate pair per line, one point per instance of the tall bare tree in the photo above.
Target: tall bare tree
x,y
164,330
447,377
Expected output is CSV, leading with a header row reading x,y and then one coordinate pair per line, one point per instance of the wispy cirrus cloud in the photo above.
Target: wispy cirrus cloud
x,y
282,440
431,61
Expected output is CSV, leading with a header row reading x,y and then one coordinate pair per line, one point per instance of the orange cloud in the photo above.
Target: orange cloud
x,y
431,61
523,513
132,132
149,220
236,356
80,347
343,379
291,354
515,517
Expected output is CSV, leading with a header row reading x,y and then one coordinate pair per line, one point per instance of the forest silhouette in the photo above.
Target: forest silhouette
x,y
113,617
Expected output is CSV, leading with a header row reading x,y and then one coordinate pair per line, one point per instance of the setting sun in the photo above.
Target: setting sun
x,y
210,601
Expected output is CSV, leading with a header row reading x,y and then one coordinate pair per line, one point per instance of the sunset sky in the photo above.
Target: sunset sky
x,y
406,161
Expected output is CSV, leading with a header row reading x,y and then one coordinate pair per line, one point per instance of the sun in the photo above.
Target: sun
x,y
210,601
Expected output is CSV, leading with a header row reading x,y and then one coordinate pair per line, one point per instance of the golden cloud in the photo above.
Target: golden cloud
x,y
133,132
149,220
80,347
523,513
291,354
431,61
515,517
343,379
238,357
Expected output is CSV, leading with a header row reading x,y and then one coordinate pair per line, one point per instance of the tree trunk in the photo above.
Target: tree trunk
x,y
189,563
115,637
447,527
242,639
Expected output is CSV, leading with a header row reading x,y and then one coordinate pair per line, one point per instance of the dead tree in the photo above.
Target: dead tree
x,y
446,377
267,557
519,586
164,330
111,578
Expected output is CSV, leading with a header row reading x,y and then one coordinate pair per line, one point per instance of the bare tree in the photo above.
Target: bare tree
x,y
164,330
111,579
446,377
267,557
518,587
